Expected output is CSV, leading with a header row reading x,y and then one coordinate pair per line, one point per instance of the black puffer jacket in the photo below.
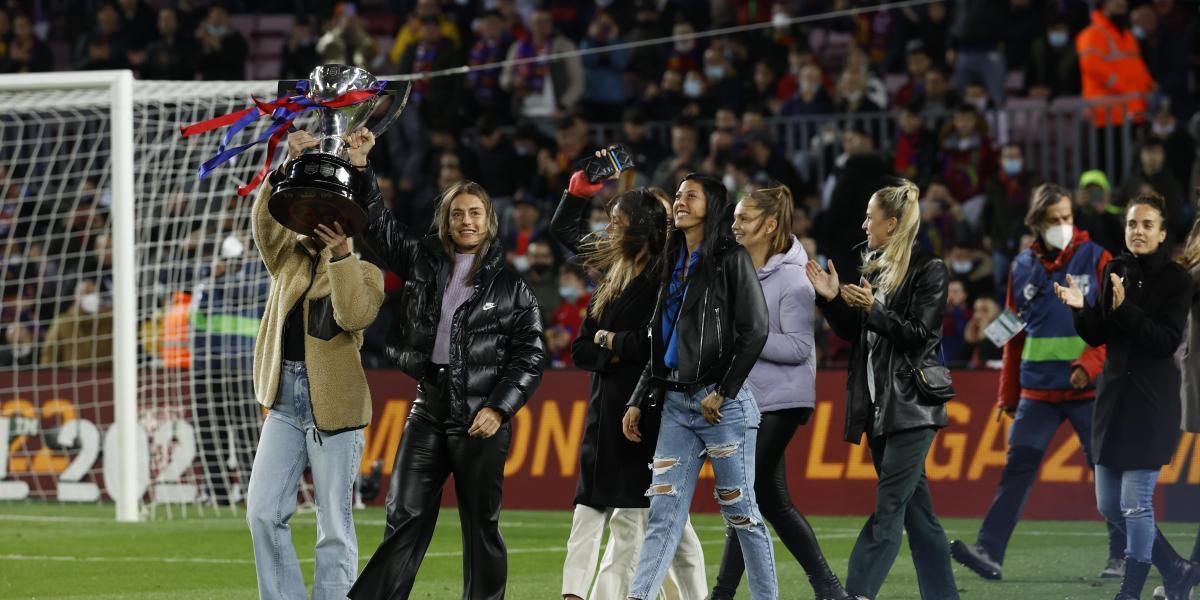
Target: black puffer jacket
x,y
722,327
909,326
496,349
1137,416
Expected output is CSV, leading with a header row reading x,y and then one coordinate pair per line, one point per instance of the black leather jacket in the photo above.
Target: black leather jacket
x,y
722,327
909,326
496,348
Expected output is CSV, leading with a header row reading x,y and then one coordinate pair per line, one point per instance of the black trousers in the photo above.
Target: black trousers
x,y
228,421
775,503
433,447
902,503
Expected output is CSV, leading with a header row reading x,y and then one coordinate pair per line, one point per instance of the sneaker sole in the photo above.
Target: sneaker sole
x,y
968,561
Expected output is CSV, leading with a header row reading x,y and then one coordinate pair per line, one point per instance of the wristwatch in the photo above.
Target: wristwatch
x,y
604,339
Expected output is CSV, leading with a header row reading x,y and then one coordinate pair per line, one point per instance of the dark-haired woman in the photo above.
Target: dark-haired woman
x,y
783,382
1140,315
708,329
894,319
612,345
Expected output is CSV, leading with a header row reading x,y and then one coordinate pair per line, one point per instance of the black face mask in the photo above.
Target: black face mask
x,y
1121,21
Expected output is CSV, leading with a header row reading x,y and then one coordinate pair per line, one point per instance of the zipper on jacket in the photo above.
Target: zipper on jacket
x,y
703,321
720,346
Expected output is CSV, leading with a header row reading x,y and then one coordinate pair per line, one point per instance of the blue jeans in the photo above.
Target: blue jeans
x,y
683,440
1126,499
1032,429
288,443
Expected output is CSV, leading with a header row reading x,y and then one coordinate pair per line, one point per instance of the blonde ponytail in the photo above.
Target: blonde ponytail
x,y
891,262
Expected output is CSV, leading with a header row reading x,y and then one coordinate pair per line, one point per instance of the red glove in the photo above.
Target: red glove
x,y
580,187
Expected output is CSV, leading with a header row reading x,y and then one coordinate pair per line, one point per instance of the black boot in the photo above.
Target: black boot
x,y
975,558
1179,575
825,584
1134,581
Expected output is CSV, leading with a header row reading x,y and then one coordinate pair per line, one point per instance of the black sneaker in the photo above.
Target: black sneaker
x,y
1115,569
975,558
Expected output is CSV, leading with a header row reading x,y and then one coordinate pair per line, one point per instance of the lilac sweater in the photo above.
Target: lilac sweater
x,y
458,290
785,374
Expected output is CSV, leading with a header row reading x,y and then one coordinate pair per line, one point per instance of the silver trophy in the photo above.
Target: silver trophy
x,y
319,186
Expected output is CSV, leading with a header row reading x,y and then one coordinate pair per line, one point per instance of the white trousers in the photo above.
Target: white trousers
x,y
627,528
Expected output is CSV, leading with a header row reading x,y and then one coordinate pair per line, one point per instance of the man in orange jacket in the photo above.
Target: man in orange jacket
x,y
1111,66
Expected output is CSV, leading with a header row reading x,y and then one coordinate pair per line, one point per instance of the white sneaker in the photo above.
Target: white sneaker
x,y
1160,593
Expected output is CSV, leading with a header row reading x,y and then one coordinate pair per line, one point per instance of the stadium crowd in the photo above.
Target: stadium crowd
x,y
920,92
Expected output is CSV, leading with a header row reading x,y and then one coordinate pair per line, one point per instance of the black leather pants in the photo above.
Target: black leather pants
x,y
433,447
771,492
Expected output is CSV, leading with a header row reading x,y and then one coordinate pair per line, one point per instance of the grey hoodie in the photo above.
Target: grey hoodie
x,y
785,374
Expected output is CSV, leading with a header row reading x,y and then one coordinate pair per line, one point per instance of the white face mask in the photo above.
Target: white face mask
x,y
692,88
90,303
232,247
1058,236
521,263
730,182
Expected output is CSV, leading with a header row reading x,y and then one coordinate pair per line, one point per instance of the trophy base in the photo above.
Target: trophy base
x,y
318,189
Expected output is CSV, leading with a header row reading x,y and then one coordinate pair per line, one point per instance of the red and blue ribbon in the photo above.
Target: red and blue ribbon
x,y
283,110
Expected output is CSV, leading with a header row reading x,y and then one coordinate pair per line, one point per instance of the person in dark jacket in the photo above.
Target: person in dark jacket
x,y
861,172
471,334
783,382
894,320
612,345
1140,315
708,329
1048,373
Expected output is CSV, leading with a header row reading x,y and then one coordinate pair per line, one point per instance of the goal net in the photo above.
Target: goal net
x,y
199,288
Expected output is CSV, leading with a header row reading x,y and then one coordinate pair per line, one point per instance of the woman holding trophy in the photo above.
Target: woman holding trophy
x,y
471,334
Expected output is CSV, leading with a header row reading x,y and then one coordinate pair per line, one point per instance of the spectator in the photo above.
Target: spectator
x,y
491,47
954,323
104,47
19,348
762,90
527,224
647,62
979,351
555,167
572,308
409,32
496,159
137,27
937,98
1174,42
874,89
223,50
645,152
1095,213
346,40
542,276
685,56
916,64
1150,175
929,26
1007,195
973,267
25,52
604,81
172,55
968,159
514,24
997,120
978,31
915,156
722,86
1181,150
942,223
861,172
664,102
541,89
1053,66
81,337
767,158
1113,74
1026,23
299,55
810,98
685,156
436,99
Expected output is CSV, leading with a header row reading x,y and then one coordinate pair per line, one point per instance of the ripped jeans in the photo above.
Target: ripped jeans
x,y
683,441
1126,499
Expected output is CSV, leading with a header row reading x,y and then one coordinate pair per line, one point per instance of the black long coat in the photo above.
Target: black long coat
x,y
1137,414
613,471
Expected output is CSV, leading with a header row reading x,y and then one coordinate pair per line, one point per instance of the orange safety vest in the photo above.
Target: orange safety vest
x,y
1110,64
176,349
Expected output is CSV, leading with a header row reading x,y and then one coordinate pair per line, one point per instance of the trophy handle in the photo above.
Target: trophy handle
x,y
396,108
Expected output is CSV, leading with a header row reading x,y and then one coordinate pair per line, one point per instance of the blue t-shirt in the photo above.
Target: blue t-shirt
x,y
676,291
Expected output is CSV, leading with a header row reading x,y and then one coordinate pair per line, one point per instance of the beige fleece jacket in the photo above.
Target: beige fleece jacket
x,y
353,288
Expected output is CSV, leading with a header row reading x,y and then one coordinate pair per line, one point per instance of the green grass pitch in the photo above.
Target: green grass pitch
x,y
63,551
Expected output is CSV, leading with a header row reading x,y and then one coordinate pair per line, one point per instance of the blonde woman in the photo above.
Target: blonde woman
x,y
893,317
